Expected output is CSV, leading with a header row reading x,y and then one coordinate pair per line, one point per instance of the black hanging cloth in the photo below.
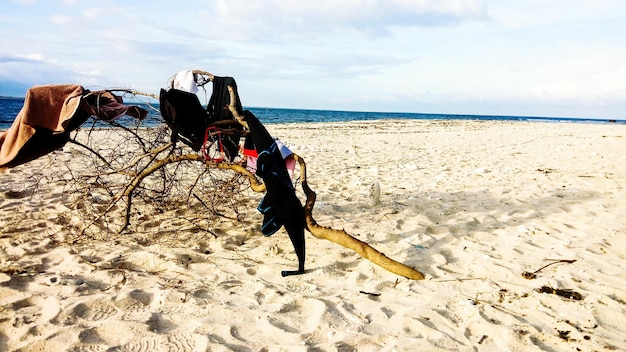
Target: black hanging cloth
x,y
280,206
188,120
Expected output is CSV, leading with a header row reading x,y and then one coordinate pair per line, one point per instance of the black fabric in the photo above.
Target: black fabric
x,y
217,109
271,221
280,203
185,116
220,99
188,120
280,206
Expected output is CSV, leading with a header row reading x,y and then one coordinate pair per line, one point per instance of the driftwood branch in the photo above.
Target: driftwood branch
x,y
204,73
346,240
134,92
233,109
153,162
337,236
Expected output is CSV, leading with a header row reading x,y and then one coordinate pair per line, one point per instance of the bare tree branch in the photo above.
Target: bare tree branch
x,y
344,239
144,165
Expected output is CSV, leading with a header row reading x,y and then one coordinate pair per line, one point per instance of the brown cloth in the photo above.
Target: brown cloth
x,y
108,106
49,114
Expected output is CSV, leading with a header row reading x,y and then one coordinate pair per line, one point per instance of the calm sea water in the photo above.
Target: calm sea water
x,y
10,107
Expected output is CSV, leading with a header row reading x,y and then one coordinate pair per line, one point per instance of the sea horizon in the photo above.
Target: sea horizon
x,y
10,107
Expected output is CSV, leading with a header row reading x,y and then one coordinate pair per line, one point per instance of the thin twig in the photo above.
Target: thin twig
x,y
533,275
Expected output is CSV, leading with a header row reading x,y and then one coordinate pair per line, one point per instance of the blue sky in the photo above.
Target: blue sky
x,y
525,57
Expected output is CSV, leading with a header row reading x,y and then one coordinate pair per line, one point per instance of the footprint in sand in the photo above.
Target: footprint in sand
x,y
170,343
29,315
289,316
136,305
301,287
93,311
182,342
152,343
160,324
91,339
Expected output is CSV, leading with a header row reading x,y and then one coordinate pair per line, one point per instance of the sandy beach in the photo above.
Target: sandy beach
x,y
519,228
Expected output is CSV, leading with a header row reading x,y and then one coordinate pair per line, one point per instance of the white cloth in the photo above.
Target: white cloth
x,y
284,151
185,80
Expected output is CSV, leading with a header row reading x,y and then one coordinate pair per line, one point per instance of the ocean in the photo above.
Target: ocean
x,y
10,107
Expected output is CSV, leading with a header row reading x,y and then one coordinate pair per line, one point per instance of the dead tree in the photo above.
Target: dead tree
x,y
156,170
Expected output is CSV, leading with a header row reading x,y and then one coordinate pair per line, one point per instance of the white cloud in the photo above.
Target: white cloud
x,y
388,12
33,69
412,55
282,18
62,20
25,2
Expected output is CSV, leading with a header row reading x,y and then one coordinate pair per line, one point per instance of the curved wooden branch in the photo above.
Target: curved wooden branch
x,y
130,91
203,77
233,109
346,240
204,73
254,182
128,193
255,185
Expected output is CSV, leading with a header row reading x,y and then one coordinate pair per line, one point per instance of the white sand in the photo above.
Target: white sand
x,y
471,204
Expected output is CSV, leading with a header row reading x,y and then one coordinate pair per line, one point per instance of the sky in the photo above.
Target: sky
x,y
549,58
